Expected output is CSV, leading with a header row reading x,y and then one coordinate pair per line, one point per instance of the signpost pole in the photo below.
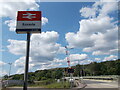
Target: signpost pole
x,y
27,62
28,22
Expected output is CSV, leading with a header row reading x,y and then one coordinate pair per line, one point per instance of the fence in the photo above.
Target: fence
x,y
6,83
102,77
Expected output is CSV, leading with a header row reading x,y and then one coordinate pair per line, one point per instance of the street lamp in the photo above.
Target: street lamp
x,y
10,68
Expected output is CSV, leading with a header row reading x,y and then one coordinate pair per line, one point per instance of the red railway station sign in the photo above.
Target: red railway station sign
x,y
28,22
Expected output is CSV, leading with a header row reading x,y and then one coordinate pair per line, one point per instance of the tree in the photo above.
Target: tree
x,y
118,67
5,77
103,68
59,73
77,70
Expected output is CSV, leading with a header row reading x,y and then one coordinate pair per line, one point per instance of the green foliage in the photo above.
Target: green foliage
x,y
118,68
5,77
58,85
17,77
43,78
50,83
103,68
43,82
77,70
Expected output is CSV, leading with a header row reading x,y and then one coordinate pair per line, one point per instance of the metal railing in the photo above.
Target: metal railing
x,y
102,77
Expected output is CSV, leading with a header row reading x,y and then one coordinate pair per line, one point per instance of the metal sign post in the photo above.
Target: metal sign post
x,y
28,22
27,62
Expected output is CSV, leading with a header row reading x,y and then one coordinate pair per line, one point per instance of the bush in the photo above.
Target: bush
x,y
43,78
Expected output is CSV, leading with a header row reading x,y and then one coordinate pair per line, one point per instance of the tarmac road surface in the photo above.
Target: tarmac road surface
x,y
101,85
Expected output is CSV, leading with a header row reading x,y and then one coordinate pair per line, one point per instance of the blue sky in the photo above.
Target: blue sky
x,y
88,27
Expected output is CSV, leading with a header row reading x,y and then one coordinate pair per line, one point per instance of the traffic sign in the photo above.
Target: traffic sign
x,y
28,22
70,70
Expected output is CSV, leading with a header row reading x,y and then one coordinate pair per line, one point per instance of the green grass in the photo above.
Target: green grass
x,y
47,84
58,85
50,84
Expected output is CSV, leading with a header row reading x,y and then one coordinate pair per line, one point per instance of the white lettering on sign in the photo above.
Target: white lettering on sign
x,y
29,16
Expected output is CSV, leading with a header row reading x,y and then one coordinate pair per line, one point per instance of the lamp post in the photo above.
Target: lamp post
x,y
9,69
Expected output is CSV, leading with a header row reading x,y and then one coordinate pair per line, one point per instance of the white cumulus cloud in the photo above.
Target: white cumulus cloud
x,y
88,12
43,49
43,46
10,9
2,63
99,34
17,47
97,59
2,73
44,20
74,57
111,57
20,63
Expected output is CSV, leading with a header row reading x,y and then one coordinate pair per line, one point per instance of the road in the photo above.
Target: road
x,y
101,85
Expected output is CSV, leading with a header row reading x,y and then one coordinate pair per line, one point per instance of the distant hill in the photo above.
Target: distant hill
x,y
94,68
